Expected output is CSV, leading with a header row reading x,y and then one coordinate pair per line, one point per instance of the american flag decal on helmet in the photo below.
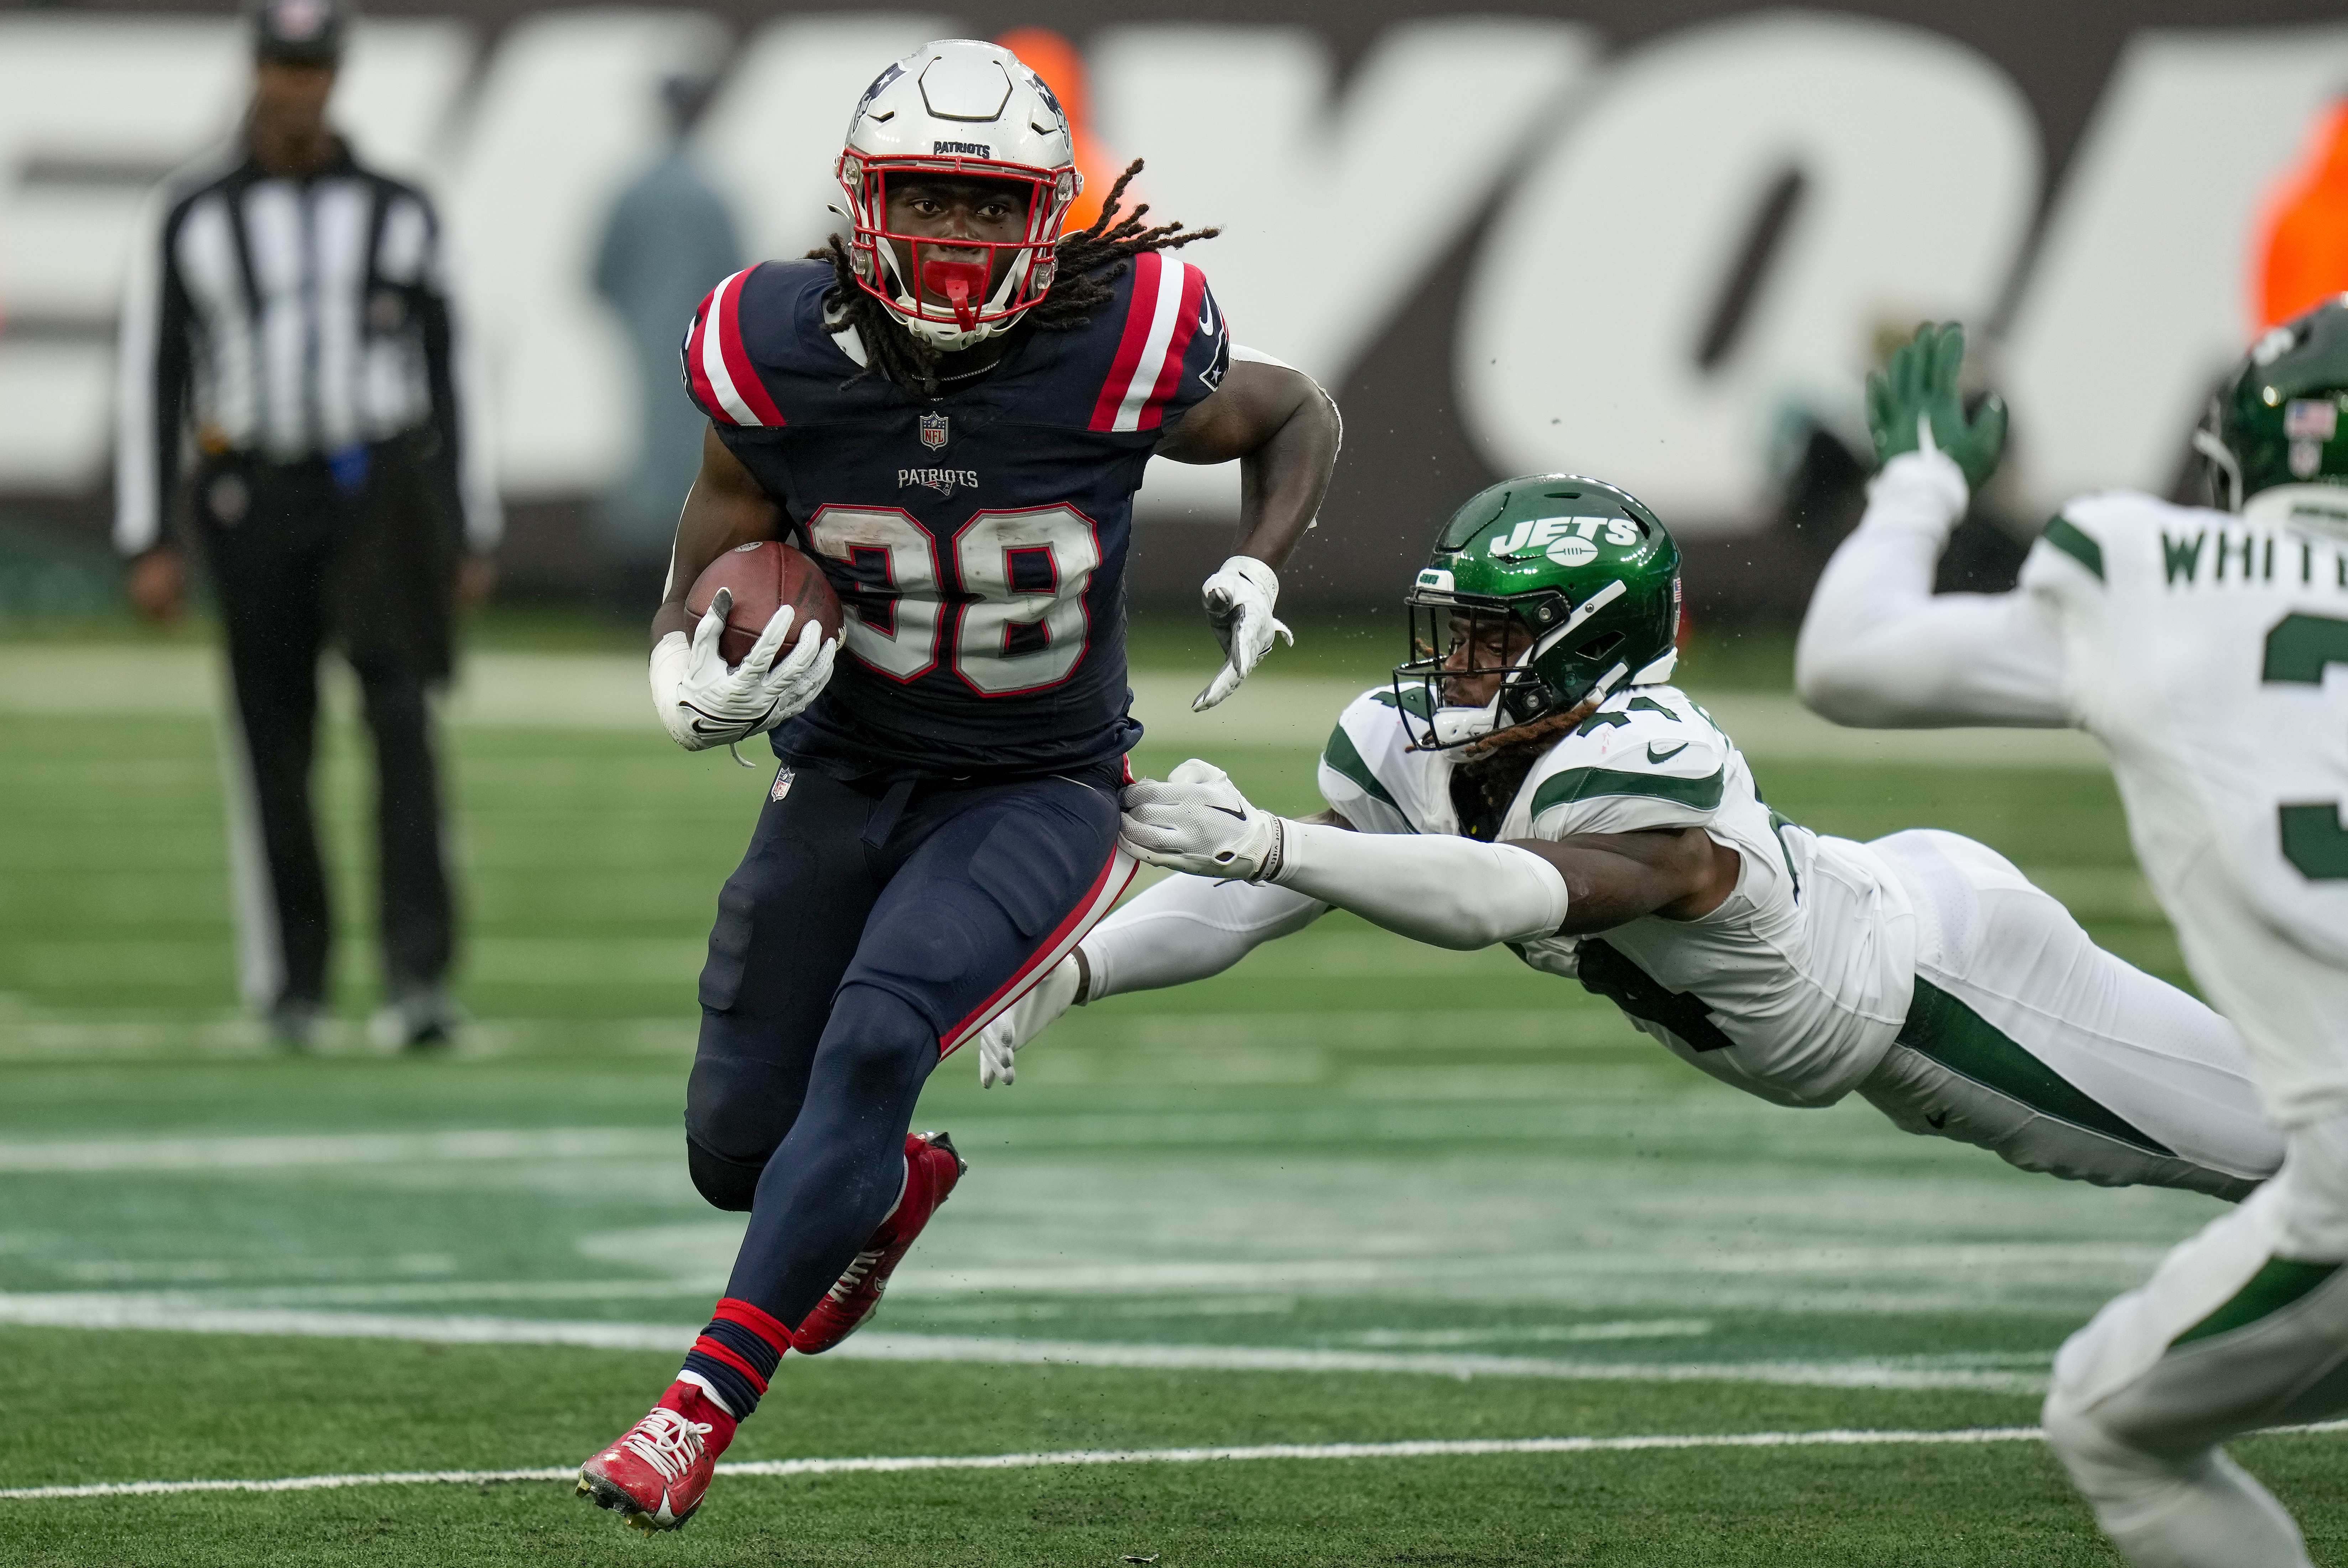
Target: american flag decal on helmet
x,y
718,368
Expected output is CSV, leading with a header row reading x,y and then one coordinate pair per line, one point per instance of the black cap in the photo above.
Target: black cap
x,y
299,31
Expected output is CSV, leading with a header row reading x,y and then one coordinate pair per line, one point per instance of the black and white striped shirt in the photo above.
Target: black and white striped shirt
x,y
288,319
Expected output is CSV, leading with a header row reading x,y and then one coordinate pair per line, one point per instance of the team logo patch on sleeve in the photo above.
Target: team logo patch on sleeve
x,y
933,431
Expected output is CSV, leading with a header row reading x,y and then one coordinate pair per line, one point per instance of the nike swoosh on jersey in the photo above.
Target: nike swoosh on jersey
x,y
1653,756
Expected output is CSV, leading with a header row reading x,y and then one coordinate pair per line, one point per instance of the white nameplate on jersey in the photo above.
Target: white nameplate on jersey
x,y
1568,541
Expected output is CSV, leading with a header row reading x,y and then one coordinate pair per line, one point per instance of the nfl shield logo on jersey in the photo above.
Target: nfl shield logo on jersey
x,y
933,431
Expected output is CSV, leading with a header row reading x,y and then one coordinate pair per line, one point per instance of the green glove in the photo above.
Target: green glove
x,y
1920,384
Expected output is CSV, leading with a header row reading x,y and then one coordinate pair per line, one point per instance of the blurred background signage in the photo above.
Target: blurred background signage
x,y
1655,243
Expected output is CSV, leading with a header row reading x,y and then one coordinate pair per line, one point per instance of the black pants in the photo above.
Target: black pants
x,y
298,563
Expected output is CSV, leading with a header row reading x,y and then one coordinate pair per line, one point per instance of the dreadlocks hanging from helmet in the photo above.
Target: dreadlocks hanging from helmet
x,y
1089,261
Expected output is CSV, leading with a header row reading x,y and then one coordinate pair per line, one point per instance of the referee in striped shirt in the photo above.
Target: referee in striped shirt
x,y
290,388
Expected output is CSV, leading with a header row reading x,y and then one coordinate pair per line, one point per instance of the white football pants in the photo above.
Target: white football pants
x,y
2243,1326
2028,1039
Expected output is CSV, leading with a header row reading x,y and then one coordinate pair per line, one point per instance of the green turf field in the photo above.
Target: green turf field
x,y
1354,1192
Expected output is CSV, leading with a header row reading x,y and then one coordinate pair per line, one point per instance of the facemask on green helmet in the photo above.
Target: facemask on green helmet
x,y
1541,593
2280,421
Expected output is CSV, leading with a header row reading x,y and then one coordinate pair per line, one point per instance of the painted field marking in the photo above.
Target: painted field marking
x,y
1440,1448
300,1151
507,691
179,1314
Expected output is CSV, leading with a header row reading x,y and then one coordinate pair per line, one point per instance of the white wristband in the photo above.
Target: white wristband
x,y
1445,891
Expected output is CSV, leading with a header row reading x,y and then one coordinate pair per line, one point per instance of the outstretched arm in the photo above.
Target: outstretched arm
x,y
1183,930
1879,650
1445,891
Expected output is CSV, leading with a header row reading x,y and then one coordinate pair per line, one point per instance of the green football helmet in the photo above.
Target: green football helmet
x,y
1572,584
2278,421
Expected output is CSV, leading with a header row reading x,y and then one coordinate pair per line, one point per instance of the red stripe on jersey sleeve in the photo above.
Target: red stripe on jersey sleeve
x,y
1186,327
696,377
744,375
1141,305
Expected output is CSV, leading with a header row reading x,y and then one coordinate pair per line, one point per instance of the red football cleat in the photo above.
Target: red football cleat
x,y
931,1169
657,1471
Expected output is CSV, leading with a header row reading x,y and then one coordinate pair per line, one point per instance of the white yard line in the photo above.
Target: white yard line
x,y
607,692
184,1315
291,1151
1440,1448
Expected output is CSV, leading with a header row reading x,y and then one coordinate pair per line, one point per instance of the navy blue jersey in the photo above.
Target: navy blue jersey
x,y
977,540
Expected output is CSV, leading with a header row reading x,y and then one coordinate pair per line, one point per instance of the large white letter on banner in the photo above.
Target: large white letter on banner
x,y
1912,167
782,117
1331,208
570,111
2142,296
88,108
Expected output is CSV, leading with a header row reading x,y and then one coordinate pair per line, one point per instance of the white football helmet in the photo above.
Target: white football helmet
x,y
958,107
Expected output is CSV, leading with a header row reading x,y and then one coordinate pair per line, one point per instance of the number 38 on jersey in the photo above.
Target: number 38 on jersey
x,y
1003,601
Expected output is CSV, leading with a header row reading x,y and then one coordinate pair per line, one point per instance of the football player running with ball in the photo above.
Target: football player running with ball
x,y
2200,645
1530,777
950,410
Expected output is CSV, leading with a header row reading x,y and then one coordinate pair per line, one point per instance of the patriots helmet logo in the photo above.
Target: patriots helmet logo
x,y
933,431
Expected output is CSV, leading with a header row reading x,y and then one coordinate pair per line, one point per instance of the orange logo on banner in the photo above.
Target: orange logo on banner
x,y
1053,58
2303,254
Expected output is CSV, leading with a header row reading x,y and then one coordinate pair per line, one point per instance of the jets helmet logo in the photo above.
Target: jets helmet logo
x,y
933,431
1568,541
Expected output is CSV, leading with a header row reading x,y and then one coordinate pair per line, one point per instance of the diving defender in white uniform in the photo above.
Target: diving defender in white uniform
x,y
1531,777
2207,648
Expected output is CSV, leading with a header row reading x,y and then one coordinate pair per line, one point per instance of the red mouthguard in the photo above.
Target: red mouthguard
x,y
964,283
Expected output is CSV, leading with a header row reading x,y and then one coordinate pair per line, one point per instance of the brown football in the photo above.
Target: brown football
x,y
765,577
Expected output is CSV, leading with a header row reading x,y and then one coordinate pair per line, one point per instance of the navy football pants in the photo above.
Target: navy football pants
x,y
869,931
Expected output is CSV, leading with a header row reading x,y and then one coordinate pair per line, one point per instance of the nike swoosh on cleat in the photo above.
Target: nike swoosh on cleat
x,y
1666,756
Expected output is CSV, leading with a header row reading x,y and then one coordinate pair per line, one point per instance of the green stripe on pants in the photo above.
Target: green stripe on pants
x,y
2272,1288
1960,1040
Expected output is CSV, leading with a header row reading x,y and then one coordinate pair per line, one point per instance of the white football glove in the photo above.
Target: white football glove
x,y
703,702
1239,599
1023,1019
1197,821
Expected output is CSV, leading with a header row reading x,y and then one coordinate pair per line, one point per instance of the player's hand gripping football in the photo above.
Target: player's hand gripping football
x,y
1197,821
706,702
1061,989
1239,599
1912,404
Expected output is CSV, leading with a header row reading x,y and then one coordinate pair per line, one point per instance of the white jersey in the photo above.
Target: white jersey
x,y
1792,989
2210,652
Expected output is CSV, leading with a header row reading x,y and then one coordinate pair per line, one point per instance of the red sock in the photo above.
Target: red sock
x,y
694,1403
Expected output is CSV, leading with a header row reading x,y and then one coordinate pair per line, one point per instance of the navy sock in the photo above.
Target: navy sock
x,y
737,1355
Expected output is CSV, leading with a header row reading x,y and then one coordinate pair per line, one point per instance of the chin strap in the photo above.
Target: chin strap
x,y
2206,443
